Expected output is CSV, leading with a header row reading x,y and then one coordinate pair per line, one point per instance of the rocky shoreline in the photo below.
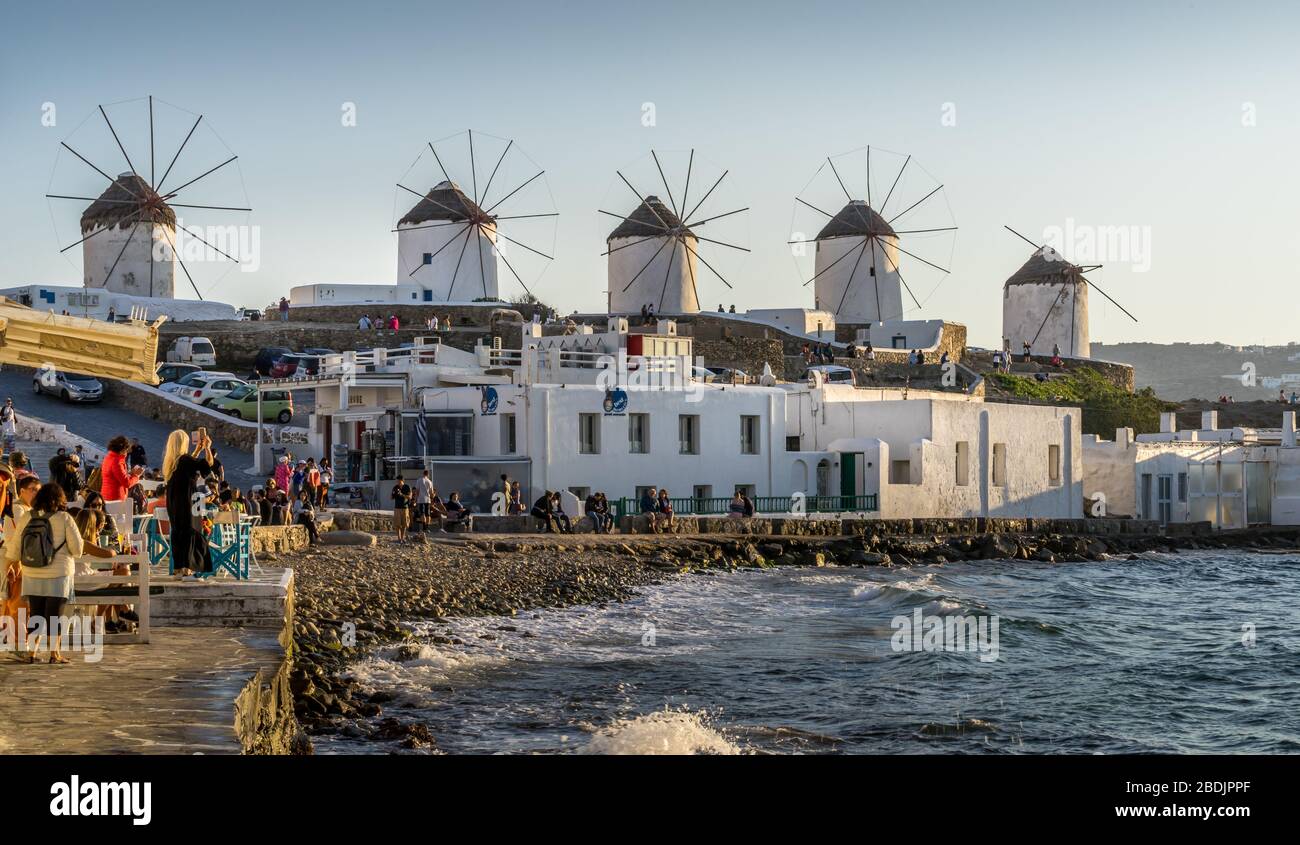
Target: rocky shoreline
x,y
352,600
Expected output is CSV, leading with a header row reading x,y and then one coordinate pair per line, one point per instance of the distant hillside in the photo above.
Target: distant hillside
x,y
1196,370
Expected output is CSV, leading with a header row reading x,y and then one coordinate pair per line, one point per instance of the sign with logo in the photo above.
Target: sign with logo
x,y
615,402
488,405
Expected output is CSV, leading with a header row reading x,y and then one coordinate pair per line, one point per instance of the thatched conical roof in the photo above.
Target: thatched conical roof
x,y
127,195
856,219
1046,265
446,201
648,221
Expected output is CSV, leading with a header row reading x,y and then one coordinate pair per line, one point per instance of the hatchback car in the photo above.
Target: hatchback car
x,y
266,358
204,389
241,403
175,372
296,365
832,374
70,387
189,378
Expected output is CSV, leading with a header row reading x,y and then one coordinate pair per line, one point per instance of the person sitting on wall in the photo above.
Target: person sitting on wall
x,y
1057,362
736,509
304,514
543,510
599,513
748,502
649,503
557,513
663,512
457,513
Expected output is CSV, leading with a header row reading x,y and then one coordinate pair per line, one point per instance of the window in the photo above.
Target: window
x,y
748,489
792,443
508,434
638,434
688,434
581,492
702,491
447,435
1053,464
749,432
589,434
900,472
999,465
963,463
1182,486
428,258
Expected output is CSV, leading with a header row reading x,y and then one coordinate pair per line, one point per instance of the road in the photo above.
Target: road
x,y
100,423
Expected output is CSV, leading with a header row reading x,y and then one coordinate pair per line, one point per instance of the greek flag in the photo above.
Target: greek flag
x,y
421,436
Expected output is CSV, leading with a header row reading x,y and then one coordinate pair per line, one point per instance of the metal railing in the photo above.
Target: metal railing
x,y
721,506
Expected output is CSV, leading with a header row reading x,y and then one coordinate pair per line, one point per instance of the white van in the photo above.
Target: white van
x,y
832,374
192,350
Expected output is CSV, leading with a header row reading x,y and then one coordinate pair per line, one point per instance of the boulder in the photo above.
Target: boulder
x,y
347,538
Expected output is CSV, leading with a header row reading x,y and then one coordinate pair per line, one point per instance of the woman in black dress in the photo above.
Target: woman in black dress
x,y
184,470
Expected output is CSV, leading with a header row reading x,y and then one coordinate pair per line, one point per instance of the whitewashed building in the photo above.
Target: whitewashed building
x,y
1045,304
856,267
652,261
130,236
1231,478
556,416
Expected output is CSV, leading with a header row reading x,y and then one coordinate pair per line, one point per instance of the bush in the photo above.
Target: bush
x,y
1105,406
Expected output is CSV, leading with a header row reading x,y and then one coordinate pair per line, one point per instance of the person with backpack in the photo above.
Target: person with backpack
x,y
47,544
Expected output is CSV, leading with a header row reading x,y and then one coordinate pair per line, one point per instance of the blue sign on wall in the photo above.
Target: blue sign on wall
x,y
488,405
615,402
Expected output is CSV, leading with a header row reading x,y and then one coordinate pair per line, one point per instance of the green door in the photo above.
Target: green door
x,y
848,479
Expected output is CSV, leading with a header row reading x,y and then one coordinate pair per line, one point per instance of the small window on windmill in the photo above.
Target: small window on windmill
x,y
428,258
872,270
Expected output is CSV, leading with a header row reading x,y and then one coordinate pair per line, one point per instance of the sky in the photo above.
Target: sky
x,y
1175,122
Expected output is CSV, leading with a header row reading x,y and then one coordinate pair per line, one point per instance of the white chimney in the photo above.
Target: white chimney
x,y
1288,429
1209,420
1123,437
1168,422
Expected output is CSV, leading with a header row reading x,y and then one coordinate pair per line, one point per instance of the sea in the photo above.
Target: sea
x,y
1187,653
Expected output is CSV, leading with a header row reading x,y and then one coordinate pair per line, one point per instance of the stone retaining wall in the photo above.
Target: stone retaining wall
x,y
280,539
748,354
156,405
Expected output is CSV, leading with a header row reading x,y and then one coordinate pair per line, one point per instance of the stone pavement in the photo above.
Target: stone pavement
x,y
175,695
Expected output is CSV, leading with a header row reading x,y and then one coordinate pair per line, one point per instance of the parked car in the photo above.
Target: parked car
x,y
703,374
266,358
241,403
296,365
247,314
728,375
70,387
175,372
192,350
831,374
189,378
202,390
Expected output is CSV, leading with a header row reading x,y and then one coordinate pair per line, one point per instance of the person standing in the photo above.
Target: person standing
x,y
9,424
184,470
284,310
364,323
115,480
48,553
401,507
423,497
326,479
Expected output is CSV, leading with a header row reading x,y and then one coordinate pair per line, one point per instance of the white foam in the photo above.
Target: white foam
x,y
663,732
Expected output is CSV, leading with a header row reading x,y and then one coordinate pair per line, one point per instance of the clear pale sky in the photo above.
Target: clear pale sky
x,y
1182,119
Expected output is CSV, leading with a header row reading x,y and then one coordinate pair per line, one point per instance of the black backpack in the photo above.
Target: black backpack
x,y
36,546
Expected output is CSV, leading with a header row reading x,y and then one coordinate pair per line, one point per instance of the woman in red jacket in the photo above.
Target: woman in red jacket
x,y
117,480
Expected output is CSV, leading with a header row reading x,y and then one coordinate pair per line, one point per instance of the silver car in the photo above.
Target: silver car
x,y
70,387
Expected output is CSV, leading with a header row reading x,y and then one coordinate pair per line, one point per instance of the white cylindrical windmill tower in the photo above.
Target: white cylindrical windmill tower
x,y
1045,304
652,261
856,268
446,247
129,235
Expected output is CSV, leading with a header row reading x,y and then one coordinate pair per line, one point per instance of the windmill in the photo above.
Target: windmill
x,y
655,251
1045,304
449,241
131,236
893,212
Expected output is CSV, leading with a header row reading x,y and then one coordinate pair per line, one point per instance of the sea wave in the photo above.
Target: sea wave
x,y
665,732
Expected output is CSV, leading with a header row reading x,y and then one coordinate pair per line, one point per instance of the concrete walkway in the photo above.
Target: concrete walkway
x,y
175,695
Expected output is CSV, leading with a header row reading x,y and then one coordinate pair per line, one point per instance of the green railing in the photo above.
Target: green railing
x,y
720,506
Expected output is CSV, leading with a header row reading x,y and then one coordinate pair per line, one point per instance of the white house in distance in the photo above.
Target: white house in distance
x,y
545,416
1231,478
1045,304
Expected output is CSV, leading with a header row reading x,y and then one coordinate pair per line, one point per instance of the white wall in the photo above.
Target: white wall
x,y
472,280
1025,306
860,304
678,266
916,334
131,273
